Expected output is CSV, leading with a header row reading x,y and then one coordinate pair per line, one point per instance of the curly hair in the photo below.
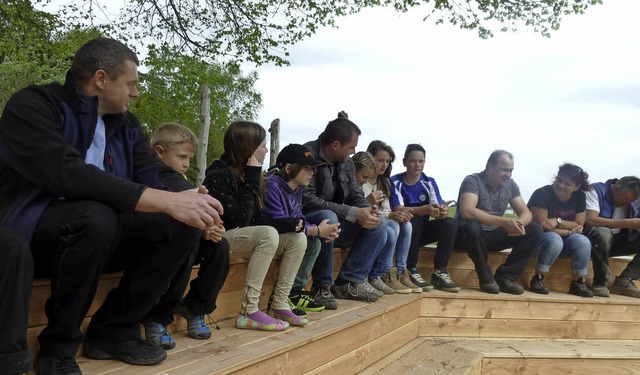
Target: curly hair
x,y
575,174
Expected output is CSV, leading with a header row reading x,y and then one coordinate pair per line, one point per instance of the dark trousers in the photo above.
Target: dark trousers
x,y
479,242
424,232
606,244
75,241
16,276
214,268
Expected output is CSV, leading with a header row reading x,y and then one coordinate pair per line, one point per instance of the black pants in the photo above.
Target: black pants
x,y
16,276
424,232
214,268
479,242
75,241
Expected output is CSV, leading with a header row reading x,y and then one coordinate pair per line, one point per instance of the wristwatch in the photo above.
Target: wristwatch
x,y
559,222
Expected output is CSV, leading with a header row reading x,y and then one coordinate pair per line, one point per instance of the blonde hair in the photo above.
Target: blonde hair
x,y
363,159
171,134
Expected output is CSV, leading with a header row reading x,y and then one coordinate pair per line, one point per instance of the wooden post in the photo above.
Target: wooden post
x,y
203,136
274,129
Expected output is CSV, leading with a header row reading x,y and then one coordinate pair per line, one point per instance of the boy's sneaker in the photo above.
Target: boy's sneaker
x,y
305,302
405,279
600,290
380,285
624,286
441,280
391,279
359,292
579,288
323,295
132,351
537,284
508,286
196,327
490,287
158,336
294,309
416,278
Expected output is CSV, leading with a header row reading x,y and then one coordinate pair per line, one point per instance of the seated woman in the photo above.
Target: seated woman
x,y
235,180
560,210
283,209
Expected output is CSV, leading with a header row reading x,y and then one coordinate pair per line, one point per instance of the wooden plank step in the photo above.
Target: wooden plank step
x,y
472,313
329,335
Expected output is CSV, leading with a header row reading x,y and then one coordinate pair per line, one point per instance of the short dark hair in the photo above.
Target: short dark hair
x,y
341,129
495,156
411,148
631,184
101,53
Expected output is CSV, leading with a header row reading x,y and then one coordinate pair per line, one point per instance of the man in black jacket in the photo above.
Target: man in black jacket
x,y
80,181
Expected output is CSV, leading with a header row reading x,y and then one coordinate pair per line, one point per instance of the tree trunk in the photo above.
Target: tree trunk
x,y
275,141
203,136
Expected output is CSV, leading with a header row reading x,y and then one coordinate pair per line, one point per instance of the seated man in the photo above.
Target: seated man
x,y
482,202
613,222
16,275
80,182
333,190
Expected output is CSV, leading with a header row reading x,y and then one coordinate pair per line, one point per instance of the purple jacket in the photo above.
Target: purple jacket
x,y
282,203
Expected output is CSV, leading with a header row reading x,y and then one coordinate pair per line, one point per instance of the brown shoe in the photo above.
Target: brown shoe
x,y
391,279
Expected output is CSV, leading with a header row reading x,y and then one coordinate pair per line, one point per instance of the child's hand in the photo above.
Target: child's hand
x,y
214,233
328,231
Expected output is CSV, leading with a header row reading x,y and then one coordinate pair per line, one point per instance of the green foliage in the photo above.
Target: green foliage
x,y
170,91
262,31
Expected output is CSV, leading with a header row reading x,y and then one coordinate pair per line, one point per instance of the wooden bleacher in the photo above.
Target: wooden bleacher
x,y
430,333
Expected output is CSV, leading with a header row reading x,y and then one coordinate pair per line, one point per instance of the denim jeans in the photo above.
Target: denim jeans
x,y
576,246
309,259
365,246
398,241
606,244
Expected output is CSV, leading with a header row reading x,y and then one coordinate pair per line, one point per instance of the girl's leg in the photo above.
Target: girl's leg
x,y
292,246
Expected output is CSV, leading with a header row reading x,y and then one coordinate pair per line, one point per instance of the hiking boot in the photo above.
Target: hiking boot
x,y
323,295
357,291
405,279
158,336
508,286
380,285
537,284
391,279
600,290
624,286
490,287
50,365
579,288
441,280
305,302
196,327
132,351
416,279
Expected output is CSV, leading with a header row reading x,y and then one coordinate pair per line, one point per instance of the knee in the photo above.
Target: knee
x,y
269,237
551,241
534,230
299,241
600,235
99,222
470,228
321,215
582,244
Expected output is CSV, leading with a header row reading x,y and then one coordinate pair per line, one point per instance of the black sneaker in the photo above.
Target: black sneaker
x,y
508,286
50,365
416,278
323,295
579,288
624,286
490,287
537,284
442,281
600,290
132,351
305,302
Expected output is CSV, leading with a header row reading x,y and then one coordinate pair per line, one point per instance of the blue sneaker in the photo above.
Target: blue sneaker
x,y
158,336
196,327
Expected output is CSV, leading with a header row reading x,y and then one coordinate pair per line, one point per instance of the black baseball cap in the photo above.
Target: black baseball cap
x,y
297,154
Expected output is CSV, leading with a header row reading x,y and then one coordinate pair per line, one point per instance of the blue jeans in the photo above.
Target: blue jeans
x,y
576,246
365,244
398,241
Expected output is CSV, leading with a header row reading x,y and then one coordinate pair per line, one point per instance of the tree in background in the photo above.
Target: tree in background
x,y
170,91
262,30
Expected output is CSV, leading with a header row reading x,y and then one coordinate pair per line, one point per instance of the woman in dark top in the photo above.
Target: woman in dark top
x,y
560,210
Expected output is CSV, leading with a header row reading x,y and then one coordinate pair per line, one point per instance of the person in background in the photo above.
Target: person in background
x,y
282,209
236,179
415,192
560,210
175,145
613,221
483,228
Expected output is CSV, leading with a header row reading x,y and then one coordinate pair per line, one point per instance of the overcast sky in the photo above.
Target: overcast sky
x,y
572,98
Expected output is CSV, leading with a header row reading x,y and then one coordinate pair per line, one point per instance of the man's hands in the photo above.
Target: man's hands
x,y
368,217
514,227
328,231
194,207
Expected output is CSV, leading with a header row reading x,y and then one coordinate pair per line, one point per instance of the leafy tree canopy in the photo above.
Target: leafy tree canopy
x,y
262,30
